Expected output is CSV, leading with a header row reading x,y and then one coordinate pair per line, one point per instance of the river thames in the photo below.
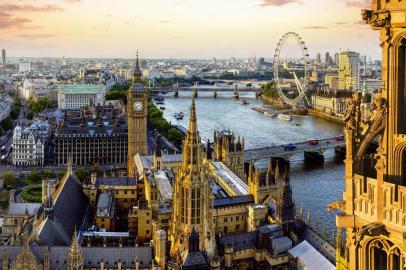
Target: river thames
x,y
313,187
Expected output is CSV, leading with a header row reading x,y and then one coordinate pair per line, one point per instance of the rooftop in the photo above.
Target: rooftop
x,y
230,179
81,89
20,208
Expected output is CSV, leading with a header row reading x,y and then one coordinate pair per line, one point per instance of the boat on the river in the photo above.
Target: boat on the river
x,y
284,117
295,124
270,114
178,115
162,108
243,102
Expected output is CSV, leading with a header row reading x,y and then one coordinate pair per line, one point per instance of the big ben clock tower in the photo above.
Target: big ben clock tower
x,y
137,103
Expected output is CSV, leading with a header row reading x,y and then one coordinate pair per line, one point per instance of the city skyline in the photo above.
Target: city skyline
x,y
174,29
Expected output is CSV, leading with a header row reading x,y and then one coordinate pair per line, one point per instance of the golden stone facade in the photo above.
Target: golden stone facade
x,y
374,200
192,195
137,109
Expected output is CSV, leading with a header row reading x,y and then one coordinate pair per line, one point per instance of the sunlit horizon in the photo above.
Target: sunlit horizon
x,y
180,29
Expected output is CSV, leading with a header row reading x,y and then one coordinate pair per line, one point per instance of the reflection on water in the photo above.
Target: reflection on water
x,y
313,187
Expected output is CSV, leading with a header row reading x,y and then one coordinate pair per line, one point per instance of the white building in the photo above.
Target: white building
x,y
29,144
38,88
5,107
24,67
76,96
370,85
151,74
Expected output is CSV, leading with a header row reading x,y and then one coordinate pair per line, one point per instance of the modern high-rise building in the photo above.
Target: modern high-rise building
x,y
318,58
327,58
3,59
349,71
337,58
374,201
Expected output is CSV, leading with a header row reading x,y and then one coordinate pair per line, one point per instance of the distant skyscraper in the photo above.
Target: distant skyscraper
x,y
349,71
336,58
3,58
327,58
318,58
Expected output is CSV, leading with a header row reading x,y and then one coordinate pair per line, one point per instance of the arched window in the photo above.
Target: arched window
x,y
395,259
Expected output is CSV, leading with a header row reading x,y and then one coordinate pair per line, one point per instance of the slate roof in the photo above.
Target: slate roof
x,y
240,241
92,255
230,201
70,206
120,181
195,260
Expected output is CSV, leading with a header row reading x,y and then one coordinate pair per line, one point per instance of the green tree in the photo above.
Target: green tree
x,y
33,177
9,179
7,123
82,174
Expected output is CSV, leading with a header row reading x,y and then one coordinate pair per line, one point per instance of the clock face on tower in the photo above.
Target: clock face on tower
x,y
137,106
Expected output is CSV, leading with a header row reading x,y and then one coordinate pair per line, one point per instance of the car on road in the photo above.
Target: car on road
x,y
312,142
338,138
289,147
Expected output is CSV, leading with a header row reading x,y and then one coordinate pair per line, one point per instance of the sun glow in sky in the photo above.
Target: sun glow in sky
x,y
180,28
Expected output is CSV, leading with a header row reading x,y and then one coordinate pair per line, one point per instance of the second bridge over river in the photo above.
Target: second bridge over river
x,y
312,148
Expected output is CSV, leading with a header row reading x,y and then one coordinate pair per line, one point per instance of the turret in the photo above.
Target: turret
x,y
209,154
285,205
160,248
157,157
228,256
47,259
5,259
75,254
215,263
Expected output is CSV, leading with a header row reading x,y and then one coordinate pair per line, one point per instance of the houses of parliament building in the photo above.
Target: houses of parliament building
x,y
208,209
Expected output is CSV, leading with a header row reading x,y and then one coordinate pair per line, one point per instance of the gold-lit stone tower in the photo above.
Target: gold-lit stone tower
x,y
192,195
374,201
137,108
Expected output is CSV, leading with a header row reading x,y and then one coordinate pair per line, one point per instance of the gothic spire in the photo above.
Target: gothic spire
x,y
137,71
191,148
193,119
75,254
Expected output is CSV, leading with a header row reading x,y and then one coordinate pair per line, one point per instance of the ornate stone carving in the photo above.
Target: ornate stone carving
x,y
352,117
378,20
372,229
364,131
337,205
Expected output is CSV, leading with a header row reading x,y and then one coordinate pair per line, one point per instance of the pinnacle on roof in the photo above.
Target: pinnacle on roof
x,y
137,71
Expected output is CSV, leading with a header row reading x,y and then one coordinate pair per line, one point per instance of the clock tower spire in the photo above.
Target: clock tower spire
x,y
137,108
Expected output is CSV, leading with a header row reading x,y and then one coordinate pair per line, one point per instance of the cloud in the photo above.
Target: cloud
x,y
14,15
11,8
10,22
318,27
266,3
163,21
360,23
359,3
35,36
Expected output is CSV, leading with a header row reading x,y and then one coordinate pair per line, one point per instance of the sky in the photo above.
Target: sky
x,y
181,28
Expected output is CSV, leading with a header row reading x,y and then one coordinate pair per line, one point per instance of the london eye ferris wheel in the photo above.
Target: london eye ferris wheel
x,y
299,95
